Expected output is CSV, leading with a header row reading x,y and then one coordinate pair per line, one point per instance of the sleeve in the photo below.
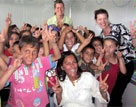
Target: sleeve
x,y
96,92
46,62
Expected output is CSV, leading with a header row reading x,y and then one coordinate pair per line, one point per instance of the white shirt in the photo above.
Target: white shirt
x,y
74,48
81,94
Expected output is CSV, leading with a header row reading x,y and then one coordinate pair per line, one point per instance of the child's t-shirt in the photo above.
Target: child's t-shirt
x,y
74,48
28,86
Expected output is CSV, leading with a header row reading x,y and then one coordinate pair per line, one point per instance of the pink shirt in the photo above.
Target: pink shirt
x,y
28,86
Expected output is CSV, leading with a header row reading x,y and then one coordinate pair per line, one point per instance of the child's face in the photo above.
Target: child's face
x,y
109,47
56,35
98,46
13,39
70,40
88,55
41,52
29,54
16,51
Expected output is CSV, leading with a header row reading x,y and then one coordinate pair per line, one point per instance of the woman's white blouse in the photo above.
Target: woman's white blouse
x,y
81,94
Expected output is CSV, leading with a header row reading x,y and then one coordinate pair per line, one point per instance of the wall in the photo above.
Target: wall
x,y
36,12
81,11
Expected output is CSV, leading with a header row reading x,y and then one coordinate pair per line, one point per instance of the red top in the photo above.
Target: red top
x,y
7,53
113,73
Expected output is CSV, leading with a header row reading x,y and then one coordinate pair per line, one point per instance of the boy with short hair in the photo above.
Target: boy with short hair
x,y
27,73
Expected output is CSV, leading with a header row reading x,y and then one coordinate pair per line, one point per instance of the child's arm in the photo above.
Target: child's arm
x,y
2,44
6,75
62,37
45,39
84,44
8,22
51,38
55,48
121,63
3,66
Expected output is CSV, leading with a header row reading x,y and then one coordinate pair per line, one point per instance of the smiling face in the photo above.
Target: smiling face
x,y
70,40
70,66
88,55
109,47
98,46
102,20
59,9
14,37
29,54
16,51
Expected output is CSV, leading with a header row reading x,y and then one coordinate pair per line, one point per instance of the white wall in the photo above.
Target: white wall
x,y
82,11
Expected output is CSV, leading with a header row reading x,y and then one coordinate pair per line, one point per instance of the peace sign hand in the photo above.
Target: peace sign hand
x,y
56,87
103,85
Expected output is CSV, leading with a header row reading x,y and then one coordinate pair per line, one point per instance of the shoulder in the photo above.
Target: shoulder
x,y
51,20
117,25
87,75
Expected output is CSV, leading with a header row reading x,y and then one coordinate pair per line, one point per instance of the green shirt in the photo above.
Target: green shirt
x,y
53,20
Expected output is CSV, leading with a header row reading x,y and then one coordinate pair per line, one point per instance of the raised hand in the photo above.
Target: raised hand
x,y
103,85
24,27
119,54
8,20
132,29
88,39
17,62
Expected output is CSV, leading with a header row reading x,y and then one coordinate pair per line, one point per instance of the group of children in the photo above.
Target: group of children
x,y
26,55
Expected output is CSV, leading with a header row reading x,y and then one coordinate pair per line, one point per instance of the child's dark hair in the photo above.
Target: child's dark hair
x,y
11,27
16,43
28,25
30,40
88,46
97,38
61,73
100,11
24,31
9,36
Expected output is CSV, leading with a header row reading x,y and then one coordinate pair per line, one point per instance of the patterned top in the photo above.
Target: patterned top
x,y
125,41
27,84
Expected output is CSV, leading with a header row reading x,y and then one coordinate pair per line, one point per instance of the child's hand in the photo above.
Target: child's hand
x,y
17,62
33,29
8,20
87,40
119,54
45,34
67,29
81,28
56,87
132,29
103,85
24,27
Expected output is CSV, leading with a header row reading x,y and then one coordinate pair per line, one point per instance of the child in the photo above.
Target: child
x,y
67,41
87,56
115,61
27,74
